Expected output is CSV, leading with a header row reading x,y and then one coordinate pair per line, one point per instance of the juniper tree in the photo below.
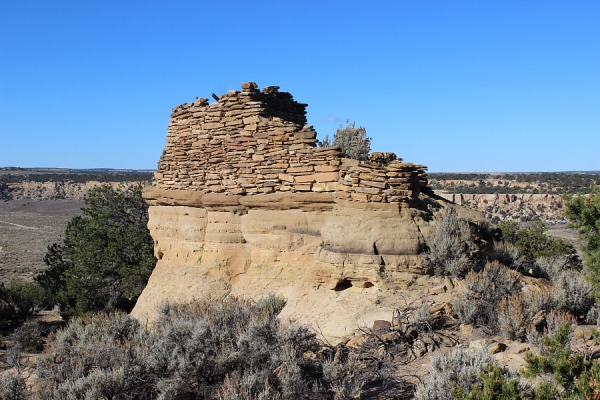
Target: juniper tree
x,y
106,256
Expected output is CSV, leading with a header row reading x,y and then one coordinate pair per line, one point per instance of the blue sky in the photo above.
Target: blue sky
x,y
454,85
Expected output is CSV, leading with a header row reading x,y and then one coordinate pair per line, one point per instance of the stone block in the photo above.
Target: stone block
x,y
367,190
249,86
436,290
325,168
308,168
245,164
286,177
304,178
305,135
380,185
279,165
306,187
216,188
212,125
370,176
251,120
359,197
381,326
275,153
237,190
357,342
326,176
319,187
398,180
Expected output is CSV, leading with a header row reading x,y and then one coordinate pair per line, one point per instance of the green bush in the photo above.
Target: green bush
x,y
106,257
492,385
584,213
17,303
570,370
588,383
532,243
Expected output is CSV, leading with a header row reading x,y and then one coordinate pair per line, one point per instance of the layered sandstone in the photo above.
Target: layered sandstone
x,y
245,203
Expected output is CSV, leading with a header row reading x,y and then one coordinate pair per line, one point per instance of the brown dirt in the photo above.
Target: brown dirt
x,y
27,228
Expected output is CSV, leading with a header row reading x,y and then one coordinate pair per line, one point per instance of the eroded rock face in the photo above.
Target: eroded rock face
x,y
341,265
342,240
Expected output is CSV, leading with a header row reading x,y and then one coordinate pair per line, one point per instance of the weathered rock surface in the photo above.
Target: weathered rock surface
x,y
340,267
245,204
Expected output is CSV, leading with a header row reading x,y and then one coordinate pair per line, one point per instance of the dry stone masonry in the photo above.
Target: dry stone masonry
x,y
254,142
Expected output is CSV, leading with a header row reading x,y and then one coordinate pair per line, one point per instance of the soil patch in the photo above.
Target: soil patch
x,y
27,228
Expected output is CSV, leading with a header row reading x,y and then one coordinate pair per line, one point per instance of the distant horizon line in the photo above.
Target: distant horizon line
x,y
103,169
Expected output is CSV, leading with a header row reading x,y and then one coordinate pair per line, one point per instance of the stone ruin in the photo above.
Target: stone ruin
x,y
254,142
245,203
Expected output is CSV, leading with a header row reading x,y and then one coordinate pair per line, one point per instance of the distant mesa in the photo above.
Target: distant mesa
x,y
245,203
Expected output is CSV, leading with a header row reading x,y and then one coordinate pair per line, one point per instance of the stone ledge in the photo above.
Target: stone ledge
x,y
278,201
284,201
157,196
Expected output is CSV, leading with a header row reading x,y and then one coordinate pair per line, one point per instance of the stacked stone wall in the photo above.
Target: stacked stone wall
x,y
254,142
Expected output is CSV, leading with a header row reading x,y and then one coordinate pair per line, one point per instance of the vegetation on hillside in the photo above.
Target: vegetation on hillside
x,y
451,248
508,183
584,213
17,302
493,298
532,244
76,177
569,375
499,300
212,349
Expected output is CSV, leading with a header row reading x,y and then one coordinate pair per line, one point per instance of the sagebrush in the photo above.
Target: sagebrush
x,y
211,349
451,246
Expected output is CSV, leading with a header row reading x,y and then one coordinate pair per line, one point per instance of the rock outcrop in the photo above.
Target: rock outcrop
x,y
47,190
514,206
244,203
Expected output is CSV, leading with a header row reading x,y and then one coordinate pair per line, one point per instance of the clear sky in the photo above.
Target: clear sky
x,y
499,85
